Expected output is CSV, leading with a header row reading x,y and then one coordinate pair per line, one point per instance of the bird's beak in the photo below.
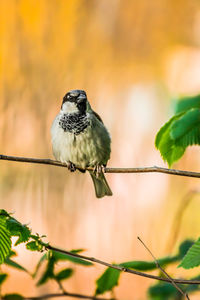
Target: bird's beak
x,y
81,98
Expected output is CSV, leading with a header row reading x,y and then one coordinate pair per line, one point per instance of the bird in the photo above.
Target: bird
x,y
80,139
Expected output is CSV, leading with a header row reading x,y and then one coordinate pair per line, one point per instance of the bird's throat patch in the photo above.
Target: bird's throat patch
x,y
74,123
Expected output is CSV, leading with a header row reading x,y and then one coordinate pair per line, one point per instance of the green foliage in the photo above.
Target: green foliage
x,y
186,103
13,297
107,281
15,265
49,271
52,258
163,291
76,260
55,257
193,287
166,291
110,278
4,213
36,243
165,144
184,247
3,277
17,229
32,246
10,227
43,258
149,265
175,136
192,257
64,274
181,131
5,240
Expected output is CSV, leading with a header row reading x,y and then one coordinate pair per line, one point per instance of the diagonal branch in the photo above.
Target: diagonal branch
x,y
163,271
120,268
154,169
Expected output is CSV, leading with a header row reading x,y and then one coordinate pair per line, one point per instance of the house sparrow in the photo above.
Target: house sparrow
x,y
79,138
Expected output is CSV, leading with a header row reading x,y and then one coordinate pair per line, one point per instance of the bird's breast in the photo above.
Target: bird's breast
x,y
88,147
74,123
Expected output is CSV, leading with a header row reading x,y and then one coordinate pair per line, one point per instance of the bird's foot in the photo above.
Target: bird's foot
x,y
71,167
98,169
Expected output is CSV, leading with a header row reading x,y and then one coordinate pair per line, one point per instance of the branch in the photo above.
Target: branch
x,y
164,272
117,267
65,294
154,169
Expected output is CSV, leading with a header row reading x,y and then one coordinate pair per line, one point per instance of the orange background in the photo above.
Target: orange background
x,y
133,58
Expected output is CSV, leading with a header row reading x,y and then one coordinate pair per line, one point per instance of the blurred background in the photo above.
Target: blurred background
x,y
133,58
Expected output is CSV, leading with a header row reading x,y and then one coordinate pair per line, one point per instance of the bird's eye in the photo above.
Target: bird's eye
x,y
68,96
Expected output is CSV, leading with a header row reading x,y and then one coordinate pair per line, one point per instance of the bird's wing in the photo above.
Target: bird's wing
x,y
97,116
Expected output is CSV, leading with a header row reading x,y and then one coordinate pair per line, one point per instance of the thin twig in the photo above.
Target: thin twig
x,y
153,169
177,219
66,294
120,268
61,286
163,271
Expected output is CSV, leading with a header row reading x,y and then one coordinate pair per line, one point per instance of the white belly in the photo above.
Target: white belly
x,y
88,148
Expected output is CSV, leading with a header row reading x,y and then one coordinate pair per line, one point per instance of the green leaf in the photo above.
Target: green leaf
x,y
12,253
186,130
149,265
192,257
108,280
177,134
184,247
162,291
34,246
165,144
5,241
77,250
64,274
193,287
3,277
49,271
15,265
17,229
166,291
57,256
63,256
187,103
37,243
4,213
42,259
13,297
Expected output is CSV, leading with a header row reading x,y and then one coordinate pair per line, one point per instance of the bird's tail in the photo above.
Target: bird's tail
x,y
101,186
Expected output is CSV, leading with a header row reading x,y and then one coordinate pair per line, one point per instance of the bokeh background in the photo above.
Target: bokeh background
x,y
133,58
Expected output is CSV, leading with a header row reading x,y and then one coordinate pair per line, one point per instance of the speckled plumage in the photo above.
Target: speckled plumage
x,y
82,139
74,123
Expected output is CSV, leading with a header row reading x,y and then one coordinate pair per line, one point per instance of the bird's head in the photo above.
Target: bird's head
x,y
74,102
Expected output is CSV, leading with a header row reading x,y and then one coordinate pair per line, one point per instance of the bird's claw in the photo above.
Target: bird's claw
x,y
98,169
71,167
